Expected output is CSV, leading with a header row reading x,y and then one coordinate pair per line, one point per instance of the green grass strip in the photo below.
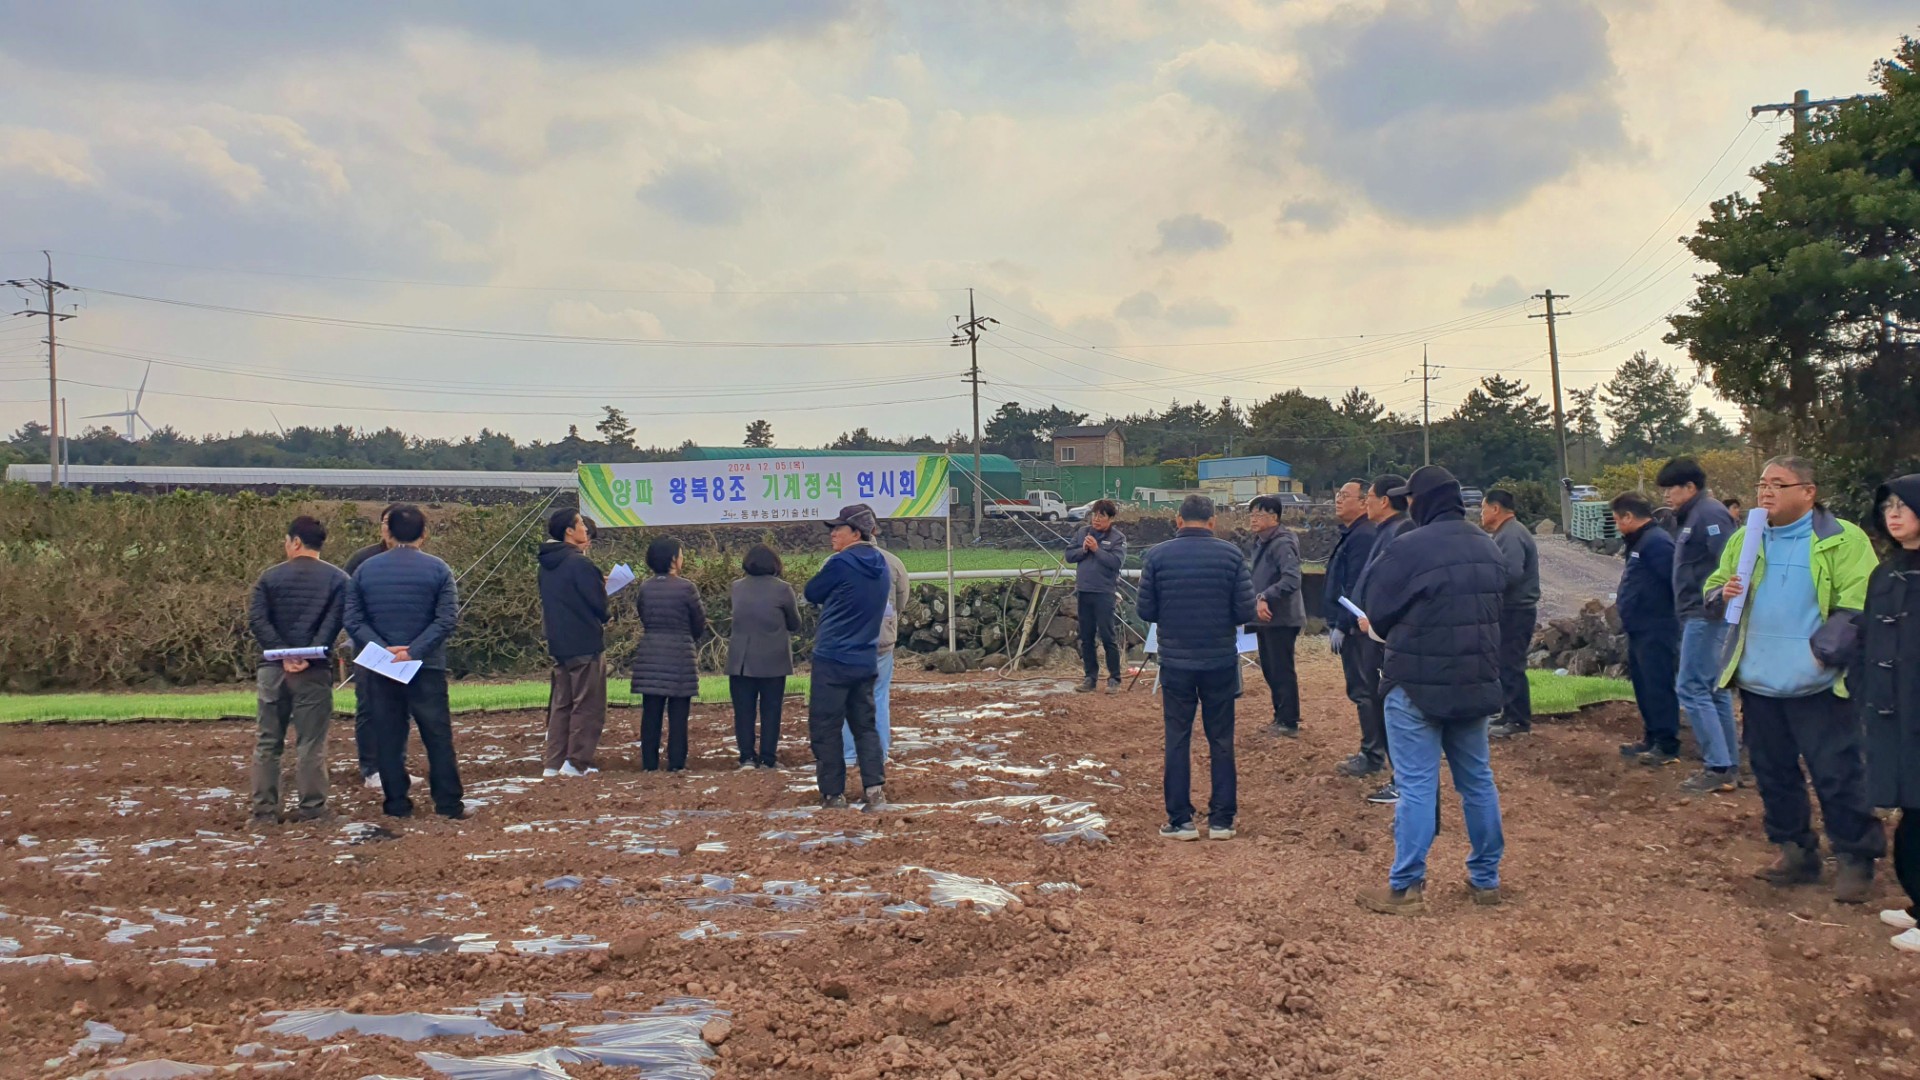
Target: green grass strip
x,y
1557,695
229,704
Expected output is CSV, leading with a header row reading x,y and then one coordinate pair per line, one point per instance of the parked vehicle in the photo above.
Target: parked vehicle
x,y
1472,496
1045,505
1585,493
1081,512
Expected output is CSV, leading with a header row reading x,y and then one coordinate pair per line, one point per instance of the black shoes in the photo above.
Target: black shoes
x,y
1635,749
1284,731
1388,794
1504,729
1659,757
1796,866
1357,766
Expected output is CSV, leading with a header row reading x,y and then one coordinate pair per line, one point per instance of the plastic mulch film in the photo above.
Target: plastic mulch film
x,y
157,1069
321,1024
98,1037
949,890
545,1064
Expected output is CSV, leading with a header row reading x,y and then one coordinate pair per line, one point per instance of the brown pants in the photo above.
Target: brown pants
x,y
576,711
303,702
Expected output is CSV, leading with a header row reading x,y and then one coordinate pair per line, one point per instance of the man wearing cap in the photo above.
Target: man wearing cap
x,y
851,591
1435,597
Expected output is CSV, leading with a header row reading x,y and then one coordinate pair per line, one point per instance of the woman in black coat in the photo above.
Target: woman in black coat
x,y
665,674
1886,684
760,654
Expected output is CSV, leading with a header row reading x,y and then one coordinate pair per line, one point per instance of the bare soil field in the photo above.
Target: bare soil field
x,y
1015,917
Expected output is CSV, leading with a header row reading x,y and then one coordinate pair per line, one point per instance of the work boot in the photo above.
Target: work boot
x,y
876,799
1659,757
833,802
1408,901
1854,883
1484,897
1284,731
1506,729
1797,866
1086,685
1113,685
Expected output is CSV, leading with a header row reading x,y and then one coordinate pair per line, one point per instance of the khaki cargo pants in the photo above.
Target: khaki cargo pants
x,y
304,702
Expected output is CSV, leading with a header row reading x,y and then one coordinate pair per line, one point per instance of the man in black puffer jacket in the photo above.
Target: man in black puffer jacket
x,y
1197,591
1434,596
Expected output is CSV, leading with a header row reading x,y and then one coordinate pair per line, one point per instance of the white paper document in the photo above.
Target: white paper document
x,y
1244,641
307,652
619,578
381,662
1352,607
1750,542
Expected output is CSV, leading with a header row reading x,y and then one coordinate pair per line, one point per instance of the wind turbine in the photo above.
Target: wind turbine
x,y
132,411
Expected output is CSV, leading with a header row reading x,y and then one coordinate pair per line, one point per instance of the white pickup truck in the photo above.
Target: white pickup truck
x,y
1045,505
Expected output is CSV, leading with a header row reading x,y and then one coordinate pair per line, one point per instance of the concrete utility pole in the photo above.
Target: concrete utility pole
x,y
968,333
1426,410
56,474
1802,107
1559,413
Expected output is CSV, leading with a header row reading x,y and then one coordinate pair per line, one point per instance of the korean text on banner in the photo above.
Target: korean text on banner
x,y
756,491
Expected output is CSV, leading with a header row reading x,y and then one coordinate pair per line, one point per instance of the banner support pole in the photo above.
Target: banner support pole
x,y
953,635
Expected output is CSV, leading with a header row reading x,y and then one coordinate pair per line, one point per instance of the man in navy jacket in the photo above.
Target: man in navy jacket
x,y
1198,592
1645,603
851,591
1435,595
405,601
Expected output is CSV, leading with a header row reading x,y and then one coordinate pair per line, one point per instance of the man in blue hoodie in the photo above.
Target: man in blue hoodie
x,y
851,592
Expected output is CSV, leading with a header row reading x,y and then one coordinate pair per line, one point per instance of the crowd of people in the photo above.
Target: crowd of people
x,y
1431,615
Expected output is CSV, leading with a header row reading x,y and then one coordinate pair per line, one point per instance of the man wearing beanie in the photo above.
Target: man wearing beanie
x,y
1434,596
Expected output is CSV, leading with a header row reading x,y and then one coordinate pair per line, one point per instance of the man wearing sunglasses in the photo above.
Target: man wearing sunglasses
x,y
1798,629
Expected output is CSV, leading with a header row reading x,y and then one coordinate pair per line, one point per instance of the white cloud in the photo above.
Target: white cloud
x,y
48,154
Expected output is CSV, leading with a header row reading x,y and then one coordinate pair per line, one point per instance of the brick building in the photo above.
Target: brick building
x,y
1095,444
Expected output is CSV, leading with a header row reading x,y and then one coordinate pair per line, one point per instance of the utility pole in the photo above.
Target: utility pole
x,y
55,473
968,333
1426,409
1802,107
1559,413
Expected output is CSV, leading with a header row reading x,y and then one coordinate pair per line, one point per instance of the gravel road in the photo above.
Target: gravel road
x,y
1571,575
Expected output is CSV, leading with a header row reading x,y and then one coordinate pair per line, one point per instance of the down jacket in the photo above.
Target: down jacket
x,y
1887,671
1197,589
1435,595
298,604
672,620
404,597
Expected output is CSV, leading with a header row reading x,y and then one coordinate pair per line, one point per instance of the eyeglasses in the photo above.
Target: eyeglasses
x,y
1764,486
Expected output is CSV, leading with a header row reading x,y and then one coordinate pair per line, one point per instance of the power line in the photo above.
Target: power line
x,y
508,335
509,288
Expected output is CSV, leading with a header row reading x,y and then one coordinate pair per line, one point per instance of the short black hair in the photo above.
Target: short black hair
x,y
661,553
593,531
311,533
1104,506
1384,484
1266,504
1501,498
762,561
1733,500
559,522
1356,481
406,523
388,512
1632,502
1680,472
1196,508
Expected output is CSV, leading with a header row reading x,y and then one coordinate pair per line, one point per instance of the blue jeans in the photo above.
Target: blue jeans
x,y
882,714
1709,709
1417,746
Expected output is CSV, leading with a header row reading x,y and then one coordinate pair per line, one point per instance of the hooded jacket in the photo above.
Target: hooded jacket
x,y
573,602
851,591
1705,527
1843,560
1435,595
1887,670
1645,601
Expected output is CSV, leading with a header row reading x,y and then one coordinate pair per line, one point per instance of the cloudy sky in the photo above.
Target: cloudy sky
x,y
451,215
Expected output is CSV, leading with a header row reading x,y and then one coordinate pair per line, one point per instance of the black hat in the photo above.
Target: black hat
x,y
1424,479
858,517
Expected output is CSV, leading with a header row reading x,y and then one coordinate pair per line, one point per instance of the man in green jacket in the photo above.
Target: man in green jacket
x,y
1799,626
